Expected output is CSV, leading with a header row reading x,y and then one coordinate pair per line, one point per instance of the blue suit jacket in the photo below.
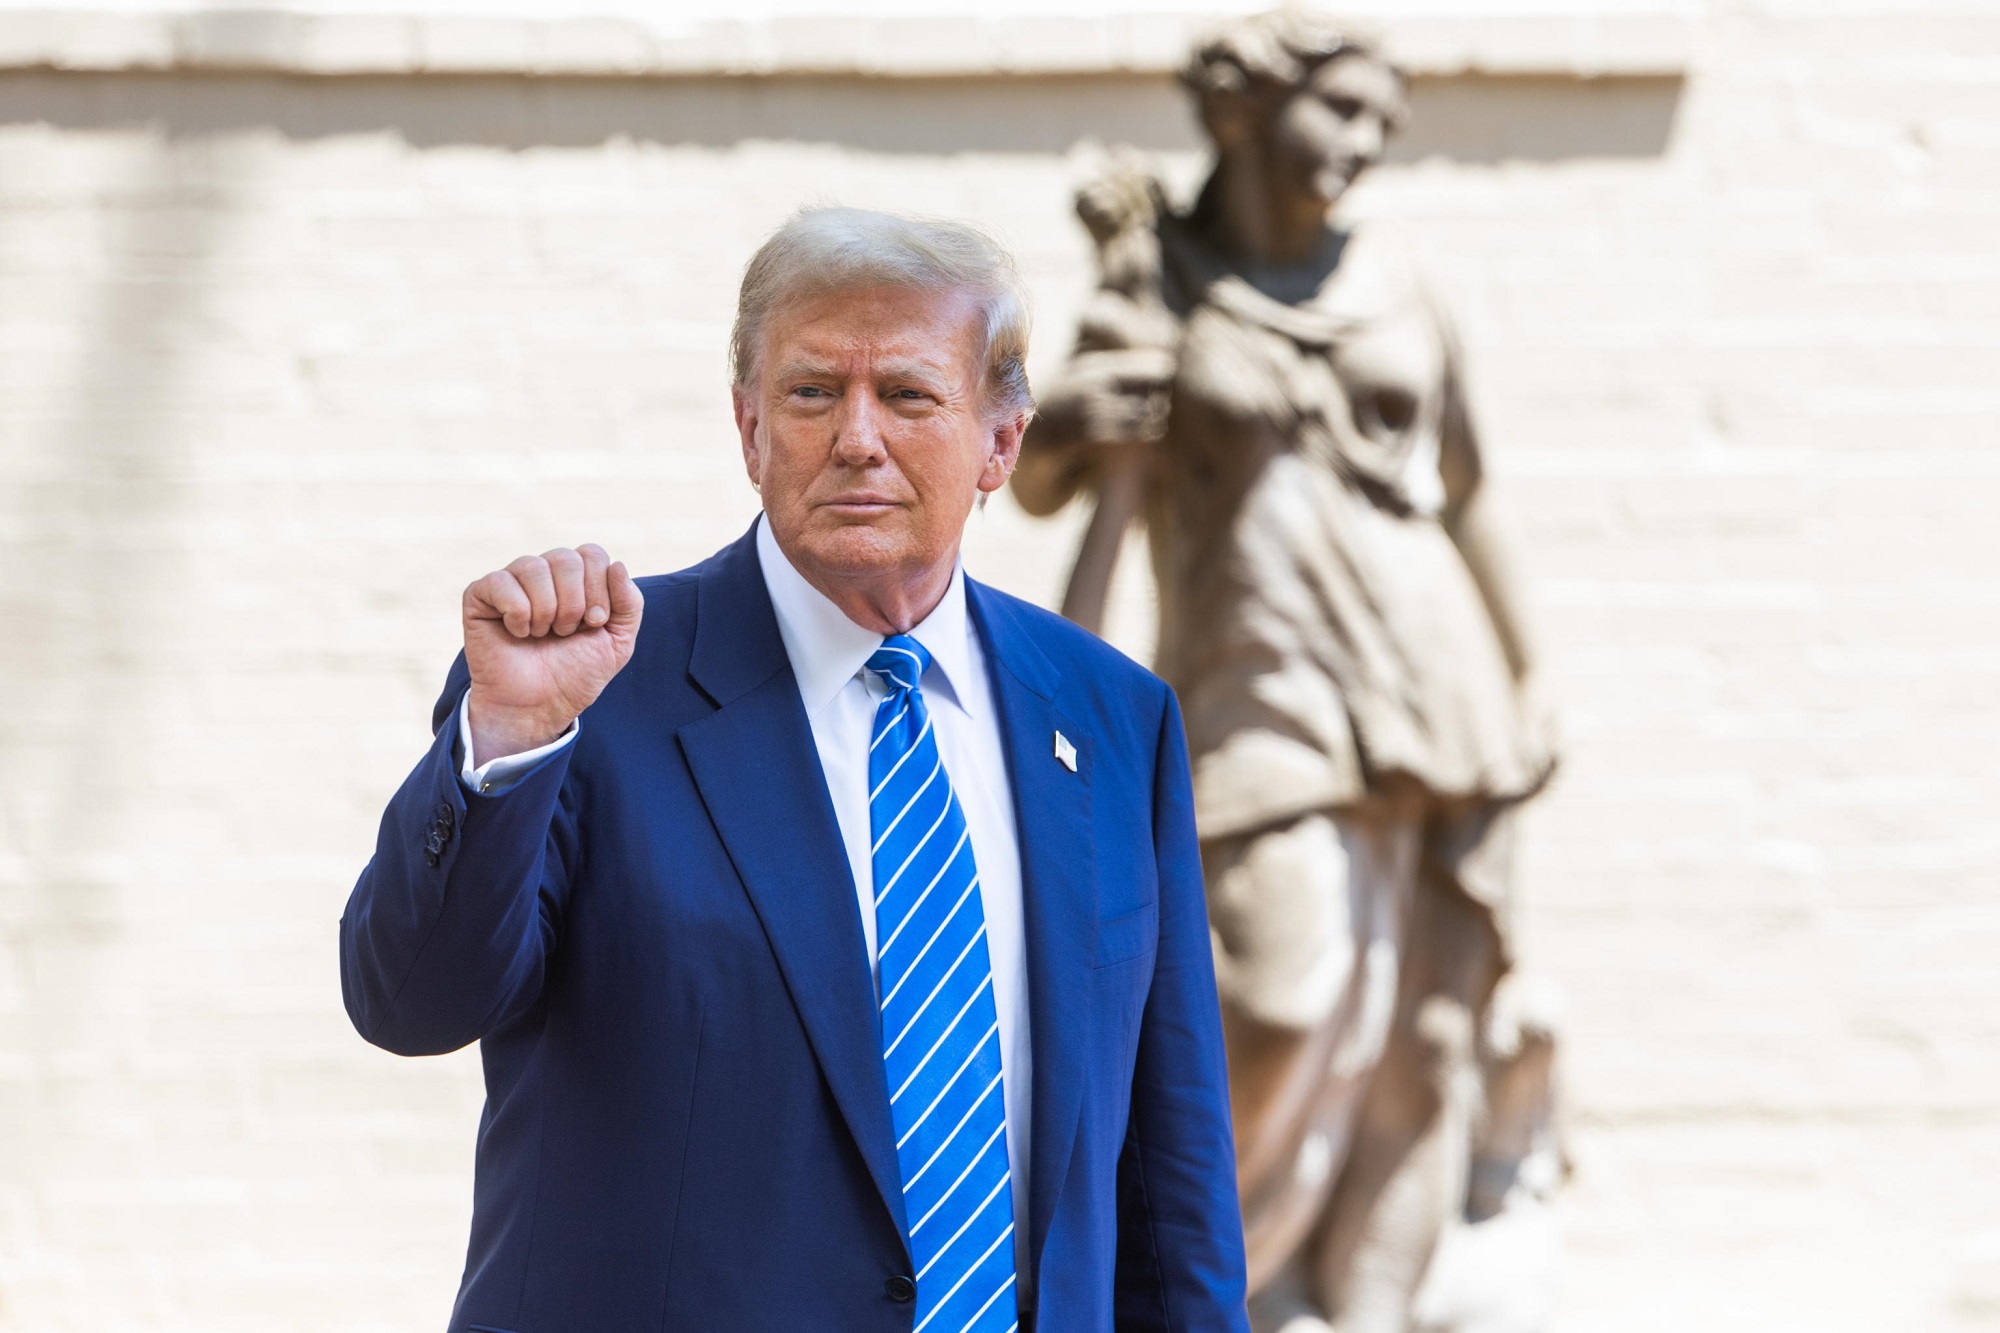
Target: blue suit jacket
x,y
655,937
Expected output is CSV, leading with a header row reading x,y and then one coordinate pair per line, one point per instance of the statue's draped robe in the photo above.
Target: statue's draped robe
x,y
1327,640
1335,660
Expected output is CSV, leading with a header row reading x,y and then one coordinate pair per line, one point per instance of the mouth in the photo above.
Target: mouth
x,y
859,504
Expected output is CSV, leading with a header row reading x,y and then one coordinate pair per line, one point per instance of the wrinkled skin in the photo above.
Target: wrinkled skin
x,y
867,431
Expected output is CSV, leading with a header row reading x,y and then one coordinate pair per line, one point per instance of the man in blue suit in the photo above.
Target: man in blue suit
x,y
835,943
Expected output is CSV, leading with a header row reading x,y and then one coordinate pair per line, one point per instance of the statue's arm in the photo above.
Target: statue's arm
x,y
1472,519
1055,461
1104,401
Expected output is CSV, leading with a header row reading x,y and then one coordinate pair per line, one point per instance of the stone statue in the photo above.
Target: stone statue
x,y
1279,397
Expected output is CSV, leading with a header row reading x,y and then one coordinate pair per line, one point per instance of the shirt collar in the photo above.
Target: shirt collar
x,y
827,649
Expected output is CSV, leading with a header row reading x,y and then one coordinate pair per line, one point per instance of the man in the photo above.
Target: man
x,y
836,942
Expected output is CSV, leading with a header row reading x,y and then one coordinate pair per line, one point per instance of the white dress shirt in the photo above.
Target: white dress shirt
x,y
829,654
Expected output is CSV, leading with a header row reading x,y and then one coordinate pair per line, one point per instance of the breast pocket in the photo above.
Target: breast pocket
x,y
1123,938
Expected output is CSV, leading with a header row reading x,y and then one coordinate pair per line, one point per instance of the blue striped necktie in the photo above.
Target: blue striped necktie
x,y
940,1030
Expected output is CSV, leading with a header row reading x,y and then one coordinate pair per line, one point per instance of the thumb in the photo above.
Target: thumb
x,y
627,602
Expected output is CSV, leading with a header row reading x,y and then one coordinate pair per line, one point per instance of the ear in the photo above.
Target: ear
x,y
1003,452
748,418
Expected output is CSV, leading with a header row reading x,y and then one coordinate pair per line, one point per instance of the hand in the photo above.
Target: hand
x,y
543,637
1539,715
1118,397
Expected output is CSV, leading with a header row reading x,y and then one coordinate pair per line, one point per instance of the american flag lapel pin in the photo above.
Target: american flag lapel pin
x,y
1066,752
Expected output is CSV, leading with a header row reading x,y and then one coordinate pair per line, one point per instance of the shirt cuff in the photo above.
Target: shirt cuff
x,y
496,775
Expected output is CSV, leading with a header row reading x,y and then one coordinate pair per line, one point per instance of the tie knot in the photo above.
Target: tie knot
x,y
901,661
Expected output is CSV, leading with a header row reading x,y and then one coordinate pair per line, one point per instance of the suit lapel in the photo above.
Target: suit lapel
x,y
759,775
1059,886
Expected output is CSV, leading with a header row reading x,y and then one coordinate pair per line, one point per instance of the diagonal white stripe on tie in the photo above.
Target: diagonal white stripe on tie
x,y
944,1092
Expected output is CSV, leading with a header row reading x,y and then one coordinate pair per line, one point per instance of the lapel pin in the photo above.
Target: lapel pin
x,y
1065,752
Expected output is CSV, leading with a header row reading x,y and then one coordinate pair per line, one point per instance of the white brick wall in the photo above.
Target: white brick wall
x,y
284,363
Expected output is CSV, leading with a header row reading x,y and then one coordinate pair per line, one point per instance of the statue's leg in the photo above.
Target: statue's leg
x,y
1308,930
1405,1174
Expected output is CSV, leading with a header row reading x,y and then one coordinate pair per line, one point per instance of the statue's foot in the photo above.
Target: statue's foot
x,y
1495,1276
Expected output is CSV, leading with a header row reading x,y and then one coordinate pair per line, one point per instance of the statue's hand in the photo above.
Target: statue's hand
x,y
1107,405
1116,397
1539,715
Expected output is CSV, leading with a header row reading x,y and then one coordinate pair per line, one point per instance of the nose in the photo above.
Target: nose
x,y
857,431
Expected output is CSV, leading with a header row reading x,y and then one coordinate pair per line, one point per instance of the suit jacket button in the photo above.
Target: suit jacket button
x,y
901,1290
445,818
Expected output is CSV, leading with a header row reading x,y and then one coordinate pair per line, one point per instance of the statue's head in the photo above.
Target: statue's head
x,y
1314,99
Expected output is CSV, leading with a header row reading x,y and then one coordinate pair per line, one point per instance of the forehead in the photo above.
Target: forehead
x,y
934,328
1363,78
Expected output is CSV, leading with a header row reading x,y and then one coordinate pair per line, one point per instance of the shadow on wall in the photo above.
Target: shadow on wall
x,y
1467,119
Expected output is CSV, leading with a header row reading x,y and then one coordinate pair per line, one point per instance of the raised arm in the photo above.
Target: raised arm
x,y
447,934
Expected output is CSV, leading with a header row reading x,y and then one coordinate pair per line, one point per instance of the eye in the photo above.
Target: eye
x,y
1347,108
811,391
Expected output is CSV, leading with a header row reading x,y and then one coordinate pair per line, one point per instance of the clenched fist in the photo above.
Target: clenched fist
x,y
543,637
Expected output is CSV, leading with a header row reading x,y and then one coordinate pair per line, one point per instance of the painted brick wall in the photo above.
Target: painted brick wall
x,y
284,363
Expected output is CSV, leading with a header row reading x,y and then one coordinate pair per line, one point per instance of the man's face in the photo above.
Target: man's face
x,y
1334,127
866,429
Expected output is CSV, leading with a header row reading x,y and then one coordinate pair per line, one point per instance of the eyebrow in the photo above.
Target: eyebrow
x,y
910,368
927,372
802,368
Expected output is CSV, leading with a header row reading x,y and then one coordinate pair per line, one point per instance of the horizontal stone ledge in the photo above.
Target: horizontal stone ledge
x,y
1628,43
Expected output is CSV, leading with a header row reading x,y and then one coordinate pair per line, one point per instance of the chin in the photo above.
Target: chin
x,y
857,548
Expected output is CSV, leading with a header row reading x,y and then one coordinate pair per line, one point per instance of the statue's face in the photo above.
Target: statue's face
x,y
1333,128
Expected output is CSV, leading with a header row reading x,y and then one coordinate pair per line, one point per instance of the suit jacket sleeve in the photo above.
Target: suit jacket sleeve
x,y
1180,1252
447,934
